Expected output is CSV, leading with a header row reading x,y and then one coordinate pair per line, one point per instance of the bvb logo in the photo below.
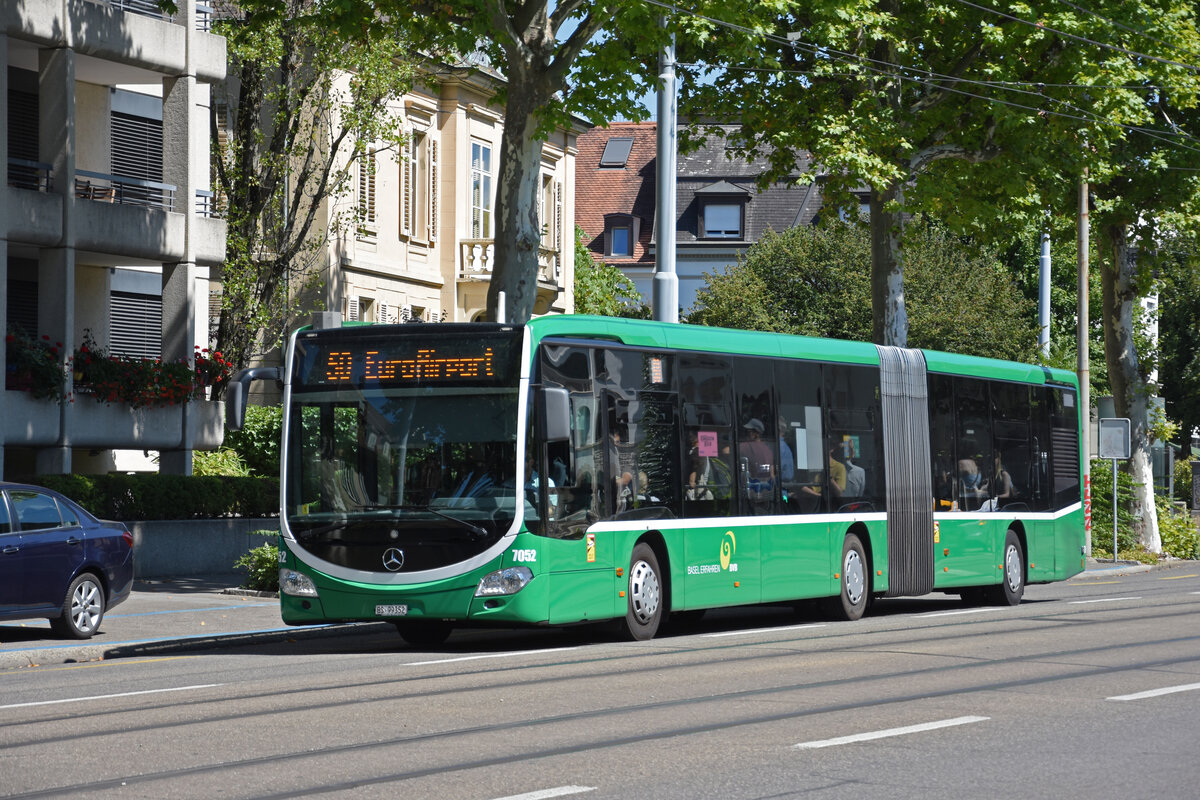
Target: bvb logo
x,y
728,548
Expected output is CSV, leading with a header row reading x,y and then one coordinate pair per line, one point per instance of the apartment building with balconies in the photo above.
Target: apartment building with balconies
x,y
106,229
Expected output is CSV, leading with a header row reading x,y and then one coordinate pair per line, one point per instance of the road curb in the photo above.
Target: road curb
x,y
78,653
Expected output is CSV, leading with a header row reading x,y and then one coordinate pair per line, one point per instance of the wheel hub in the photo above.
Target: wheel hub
x,y
644,592
854,577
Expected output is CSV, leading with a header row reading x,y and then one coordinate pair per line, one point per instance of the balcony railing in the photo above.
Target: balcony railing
x,y
124,191
25,174
206,203
146,8
478,255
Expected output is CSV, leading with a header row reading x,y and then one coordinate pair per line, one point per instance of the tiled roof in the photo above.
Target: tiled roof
x,y
707,170
616,190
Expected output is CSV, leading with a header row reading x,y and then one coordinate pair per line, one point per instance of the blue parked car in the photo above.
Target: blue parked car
x,y
59,562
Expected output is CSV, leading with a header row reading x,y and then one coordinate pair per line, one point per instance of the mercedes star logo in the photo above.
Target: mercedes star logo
x,y
393,559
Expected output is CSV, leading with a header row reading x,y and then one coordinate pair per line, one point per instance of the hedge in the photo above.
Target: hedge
x,y
131,498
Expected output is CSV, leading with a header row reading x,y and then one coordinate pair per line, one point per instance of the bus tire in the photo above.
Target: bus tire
x,y
644,595
1012,583
851,603
423,634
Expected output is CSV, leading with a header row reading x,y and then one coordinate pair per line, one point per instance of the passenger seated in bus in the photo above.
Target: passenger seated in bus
x,y
1002,487
758,461
973,484
856,476
342,487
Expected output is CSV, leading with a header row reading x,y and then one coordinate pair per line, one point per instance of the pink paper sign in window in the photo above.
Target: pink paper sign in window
x,y
706,444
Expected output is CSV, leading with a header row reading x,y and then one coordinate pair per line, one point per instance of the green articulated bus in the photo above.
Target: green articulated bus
x,y
579,469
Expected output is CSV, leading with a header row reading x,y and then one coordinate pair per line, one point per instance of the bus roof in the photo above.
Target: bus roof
x,y
644,333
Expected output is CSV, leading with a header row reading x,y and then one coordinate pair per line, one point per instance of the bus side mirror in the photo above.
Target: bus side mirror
x,y
238,388
555,417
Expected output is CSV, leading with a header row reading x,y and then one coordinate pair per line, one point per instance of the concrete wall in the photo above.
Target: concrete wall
x,y
188,548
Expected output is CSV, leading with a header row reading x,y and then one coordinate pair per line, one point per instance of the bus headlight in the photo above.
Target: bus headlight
x,y
504,581
296,584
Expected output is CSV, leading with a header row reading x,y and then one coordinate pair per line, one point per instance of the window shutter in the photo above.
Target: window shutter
x,y
433,187
385,313
136,147
558,217
352,309
135,325
366,186
408,166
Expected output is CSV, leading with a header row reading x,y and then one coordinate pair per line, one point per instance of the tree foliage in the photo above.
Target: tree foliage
x,y
302,100
601,288
814,281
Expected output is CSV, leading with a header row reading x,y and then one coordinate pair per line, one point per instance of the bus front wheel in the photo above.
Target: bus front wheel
x,y
644,595
851,603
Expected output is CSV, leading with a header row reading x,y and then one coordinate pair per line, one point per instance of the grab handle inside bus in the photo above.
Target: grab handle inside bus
x,y
238,388
556,414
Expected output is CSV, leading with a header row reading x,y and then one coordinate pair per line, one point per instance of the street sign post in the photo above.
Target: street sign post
x,y
1114,444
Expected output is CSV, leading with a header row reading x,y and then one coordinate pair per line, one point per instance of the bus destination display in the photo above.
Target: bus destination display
x,y
401,362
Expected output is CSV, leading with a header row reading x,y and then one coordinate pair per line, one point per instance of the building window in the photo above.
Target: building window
x,y
481,191
722,221
418,187
550,214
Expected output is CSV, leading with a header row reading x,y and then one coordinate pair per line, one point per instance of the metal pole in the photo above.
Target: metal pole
x,y
1044,294
665,291
1114,477
1082,368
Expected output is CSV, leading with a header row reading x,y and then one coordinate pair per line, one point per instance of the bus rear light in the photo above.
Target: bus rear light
x,y
296,584
505,581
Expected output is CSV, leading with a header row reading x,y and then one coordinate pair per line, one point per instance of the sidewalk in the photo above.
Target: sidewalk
x,y
164,615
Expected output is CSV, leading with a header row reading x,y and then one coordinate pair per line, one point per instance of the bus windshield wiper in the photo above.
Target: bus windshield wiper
x,y
479,533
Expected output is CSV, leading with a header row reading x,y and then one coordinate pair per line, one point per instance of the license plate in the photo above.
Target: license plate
x,y
391,611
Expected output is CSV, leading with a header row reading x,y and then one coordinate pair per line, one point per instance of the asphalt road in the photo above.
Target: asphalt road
x,y
1091,688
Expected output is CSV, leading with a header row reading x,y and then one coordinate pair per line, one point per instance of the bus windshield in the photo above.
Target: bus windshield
x,y
419,464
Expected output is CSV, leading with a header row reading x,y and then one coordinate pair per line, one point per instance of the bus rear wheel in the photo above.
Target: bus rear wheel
x,y
424,634
1012,584
851,603
644,596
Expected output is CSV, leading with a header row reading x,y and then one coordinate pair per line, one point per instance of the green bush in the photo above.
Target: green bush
x,y
1102,512
132,498
258,441
1180,536
261,565
1183,480
219,462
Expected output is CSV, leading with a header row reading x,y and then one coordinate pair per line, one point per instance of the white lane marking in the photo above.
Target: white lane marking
x,y
542,794
763,630
1190,687
1195,593
866,737
110,696
954,613
1101,600
490,655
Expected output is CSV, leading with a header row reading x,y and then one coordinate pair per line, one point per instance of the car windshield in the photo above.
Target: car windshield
x,y
428,465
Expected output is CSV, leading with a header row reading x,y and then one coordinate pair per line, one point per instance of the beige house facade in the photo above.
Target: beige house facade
x,y
421,246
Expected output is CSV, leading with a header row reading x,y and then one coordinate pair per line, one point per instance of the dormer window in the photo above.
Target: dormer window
x,y
722,212
620,234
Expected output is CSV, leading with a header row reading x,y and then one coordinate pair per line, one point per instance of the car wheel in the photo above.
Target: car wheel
x,y
82,609
644,609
